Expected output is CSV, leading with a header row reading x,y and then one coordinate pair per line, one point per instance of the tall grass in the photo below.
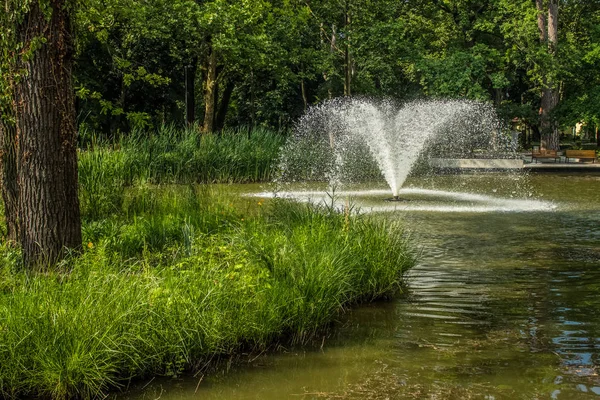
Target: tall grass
x,y
174,155
171,156
173,274
179,276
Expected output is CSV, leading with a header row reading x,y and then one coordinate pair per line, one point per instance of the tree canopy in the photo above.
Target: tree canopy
x,y
273,58
270,59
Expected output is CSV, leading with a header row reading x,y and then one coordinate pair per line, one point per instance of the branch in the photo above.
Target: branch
x,y
332,44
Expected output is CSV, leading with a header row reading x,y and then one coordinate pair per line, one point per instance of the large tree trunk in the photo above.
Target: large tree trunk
x,y
49,218
210,86
10,189
548,36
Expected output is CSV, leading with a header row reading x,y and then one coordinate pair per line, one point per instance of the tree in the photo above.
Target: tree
x,y
234,44
38,88
548,28
263,62
580,44
8,164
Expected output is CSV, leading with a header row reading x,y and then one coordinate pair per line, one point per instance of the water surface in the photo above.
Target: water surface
x,y
502,305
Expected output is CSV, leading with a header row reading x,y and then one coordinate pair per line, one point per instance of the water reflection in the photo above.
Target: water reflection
x,y
501,306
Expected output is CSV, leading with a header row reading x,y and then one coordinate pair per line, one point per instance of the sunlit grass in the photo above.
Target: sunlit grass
x,y
177,275
171,156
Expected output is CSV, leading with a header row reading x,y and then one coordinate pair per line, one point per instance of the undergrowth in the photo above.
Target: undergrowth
x,y
172,276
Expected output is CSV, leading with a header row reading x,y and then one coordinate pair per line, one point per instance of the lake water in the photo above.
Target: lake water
x,y
502,305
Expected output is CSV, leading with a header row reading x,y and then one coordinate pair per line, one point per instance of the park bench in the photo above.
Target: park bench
x,y
581,155
541,153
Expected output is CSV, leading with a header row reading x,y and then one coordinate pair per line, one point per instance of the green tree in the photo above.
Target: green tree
x,y
38,82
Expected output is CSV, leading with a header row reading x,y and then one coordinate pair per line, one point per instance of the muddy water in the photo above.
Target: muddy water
x,y
502,305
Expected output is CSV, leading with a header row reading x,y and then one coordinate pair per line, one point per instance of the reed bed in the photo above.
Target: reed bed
x,y
170,155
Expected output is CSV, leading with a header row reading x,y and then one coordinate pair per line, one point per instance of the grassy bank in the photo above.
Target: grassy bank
x,y
172,276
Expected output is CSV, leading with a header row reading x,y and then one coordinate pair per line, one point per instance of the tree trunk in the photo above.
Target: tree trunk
x,y
347,55
190,92
10,189
548,127
326,76
552,26
224,105
304,98
210,98
498,97
541,21
46,150
347,73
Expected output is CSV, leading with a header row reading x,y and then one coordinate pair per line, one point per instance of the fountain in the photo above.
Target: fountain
x,y
353,140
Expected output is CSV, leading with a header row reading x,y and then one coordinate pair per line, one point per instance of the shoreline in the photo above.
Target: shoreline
x,y
182,279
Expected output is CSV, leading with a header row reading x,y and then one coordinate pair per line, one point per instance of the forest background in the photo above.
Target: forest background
x,y
251,63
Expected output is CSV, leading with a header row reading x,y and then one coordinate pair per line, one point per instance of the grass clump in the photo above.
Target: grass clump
x,y
175,155
177,276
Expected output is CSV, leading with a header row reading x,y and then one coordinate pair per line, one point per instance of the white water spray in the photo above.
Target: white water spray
x,y
349,140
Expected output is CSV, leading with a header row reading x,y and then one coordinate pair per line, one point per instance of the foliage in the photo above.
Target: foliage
x,y
275,55
170,156
182,277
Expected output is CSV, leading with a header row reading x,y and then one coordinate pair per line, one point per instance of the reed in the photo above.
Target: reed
x,y
107,168
172,155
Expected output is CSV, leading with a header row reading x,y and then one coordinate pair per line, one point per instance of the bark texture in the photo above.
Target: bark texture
x,y
224,105
210,92
541,21
10,189
46,139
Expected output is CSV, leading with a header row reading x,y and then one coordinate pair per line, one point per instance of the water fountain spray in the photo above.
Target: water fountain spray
x,y
354,140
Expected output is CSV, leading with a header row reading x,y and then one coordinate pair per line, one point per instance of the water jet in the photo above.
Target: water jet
x,y
348,141
354,140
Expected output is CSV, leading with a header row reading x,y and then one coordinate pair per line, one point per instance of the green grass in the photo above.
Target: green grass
x,y
171,156
173,276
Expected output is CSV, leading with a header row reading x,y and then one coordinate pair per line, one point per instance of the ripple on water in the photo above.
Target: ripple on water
x,y
503,305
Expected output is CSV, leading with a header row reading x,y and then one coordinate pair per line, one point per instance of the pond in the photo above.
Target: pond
x,y
502,305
